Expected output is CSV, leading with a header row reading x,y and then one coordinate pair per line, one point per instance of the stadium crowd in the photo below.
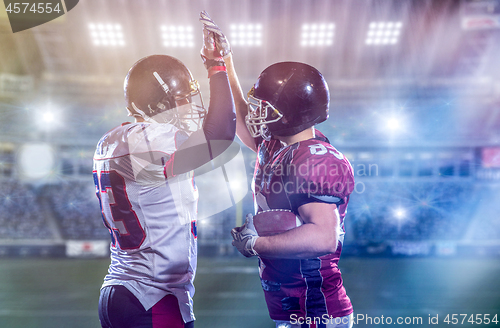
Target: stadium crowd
x,y
414,211
21,215
76,209
383,211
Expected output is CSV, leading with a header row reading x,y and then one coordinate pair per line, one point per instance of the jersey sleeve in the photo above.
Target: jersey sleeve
x,y
220,123
216,136
318,173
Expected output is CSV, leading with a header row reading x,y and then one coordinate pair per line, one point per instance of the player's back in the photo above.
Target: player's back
x,y
152,219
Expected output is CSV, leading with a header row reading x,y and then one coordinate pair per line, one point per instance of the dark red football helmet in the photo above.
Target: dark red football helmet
x,y
287,98
161,88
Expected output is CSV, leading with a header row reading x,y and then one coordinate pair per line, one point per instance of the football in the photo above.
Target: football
x,y
272,222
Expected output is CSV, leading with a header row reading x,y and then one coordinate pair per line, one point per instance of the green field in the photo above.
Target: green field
x,y
53,293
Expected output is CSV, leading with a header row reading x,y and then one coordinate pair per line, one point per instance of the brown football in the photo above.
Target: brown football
x,y
272,222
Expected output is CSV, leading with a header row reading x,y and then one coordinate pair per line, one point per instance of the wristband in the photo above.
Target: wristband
x,y
215,69
213,62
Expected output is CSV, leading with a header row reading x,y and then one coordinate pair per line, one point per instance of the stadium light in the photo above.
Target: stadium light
x,y
317,35
36,161
246,35
383,33
394,124
180,36
238,185
48,118
106,35
399,213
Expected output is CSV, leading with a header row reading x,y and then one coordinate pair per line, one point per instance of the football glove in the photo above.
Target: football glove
x,y
244,237
221,44
212,60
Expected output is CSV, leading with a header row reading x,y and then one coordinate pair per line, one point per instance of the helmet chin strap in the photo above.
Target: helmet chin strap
x,y
170,116
132,113
265,133
140,113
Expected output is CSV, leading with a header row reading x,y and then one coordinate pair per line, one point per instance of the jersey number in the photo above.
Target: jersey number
x,y
127,229
320,149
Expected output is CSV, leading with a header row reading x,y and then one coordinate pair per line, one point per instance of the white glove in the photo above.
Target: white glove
x,y
221,44
244,237
210,54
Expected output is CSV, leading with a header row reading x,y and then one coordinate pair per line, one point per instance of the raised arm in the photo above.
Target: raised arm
x,y
240,105
220,123
216,136
224,50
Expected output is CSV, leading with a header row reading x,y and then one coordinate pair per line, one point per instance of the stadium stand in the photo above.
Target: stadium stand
x,y
21,215
76,210
411,211
385,210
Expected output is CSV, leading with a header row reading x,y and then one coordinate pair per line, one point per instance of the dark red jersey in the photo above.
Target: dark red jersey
x,y
287,177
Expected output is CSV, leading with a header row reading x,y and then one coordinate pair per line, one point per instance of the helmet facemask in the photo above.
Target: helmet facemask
x,y
260,114
189,113
185,112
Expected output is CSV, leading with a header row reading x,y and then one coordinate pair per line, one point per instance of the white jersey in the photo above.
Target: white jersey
x,y
152,219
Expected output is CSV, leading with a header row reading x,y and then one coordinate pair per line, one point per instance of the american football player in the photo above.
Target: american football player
x,y
297,169
144,182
